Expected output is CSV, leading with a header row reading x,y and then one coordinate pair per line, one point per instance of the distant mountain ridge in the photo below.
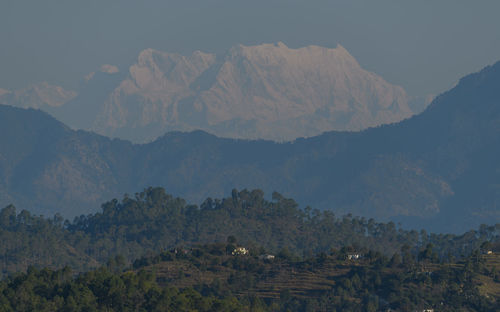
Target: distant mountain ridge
x,y
439,170
267,91
42,95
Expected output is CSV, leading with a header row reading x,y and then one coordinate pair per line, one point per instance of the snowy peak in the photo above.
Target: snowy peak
x,y
156,70
279,53
267,91
273,83
41,95
4,91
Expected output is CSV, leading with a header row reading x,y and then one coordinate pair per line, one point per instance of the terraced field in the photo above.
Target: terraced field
x,y
489,286
332,279
254,277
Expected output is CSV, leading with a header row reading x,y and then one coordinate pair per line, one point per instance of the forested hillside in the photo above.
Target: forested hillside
x,y
153,221
214,278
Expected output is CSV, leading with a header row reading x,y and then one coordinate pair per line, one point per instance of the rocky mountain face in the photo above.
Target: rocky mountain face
x,y
267,91
438,170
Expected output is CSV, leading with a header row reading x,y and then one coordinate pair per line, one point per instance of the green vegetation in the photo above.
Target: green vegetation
x,y
210,278
154,252
101,290
154,221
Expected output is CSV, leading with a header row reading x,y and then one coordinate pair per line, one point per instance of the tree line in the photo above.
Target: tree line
x,y
153,220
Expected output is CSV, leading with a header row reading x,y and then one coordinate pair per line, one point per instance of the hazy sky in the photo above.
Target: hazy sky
x,y
424,45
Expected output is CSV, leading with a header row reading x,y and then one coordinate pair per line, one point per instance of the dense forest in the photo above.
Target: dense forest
x,y
216,277
153,221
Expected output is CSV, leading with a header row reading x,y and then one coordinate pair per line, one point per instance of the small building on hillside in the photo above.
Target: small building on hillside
x,y
266,257
180,251
240,251
354,256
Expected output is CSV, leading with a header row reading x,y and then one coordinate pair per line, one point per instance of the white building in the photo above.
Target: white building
x,y
240,251
354,256
266,257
